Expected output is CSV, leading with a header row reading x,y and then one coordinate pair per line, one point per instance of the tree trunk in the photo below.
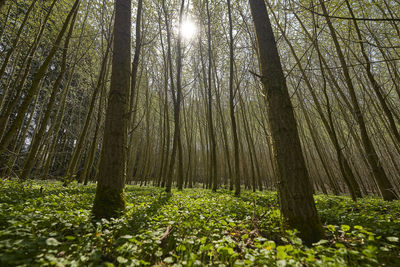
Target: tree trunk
x,y
294,187
32,156
232,105
384,185
177,144
14,45
110,196
213,143
32,91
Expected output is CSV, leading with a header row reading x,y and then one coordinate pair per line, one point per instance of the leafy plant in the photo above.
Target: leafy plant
x,y
44,223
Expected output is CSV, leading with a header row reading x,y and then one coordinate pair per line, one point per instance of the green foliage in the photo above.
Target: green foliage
x,y
53,226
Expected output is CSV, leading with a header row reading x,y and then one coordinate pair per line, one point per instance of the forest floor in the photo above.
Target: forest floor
x,y
194,227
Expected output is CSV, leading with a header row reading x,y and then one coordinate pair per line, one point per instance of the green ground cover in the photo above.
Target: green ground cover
x,y
52,227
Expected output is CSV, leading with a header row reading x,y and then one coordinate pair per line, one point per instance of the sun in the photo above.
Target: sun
x,y
188,29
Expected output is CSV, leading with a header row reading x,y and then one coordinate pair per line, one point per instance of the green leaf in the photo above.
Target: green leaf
x,y
281,254
321,242
126,237
121,259
158,253
52,242
345,227
69,237
392,239
203,240
281,263
331,228
169,260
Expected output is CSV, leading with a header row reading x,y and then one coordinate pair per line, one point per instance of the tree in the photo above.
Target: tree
x,y
32,91
385,187
110,197
177,143
232,105
33,153
213,145
327,122
294,187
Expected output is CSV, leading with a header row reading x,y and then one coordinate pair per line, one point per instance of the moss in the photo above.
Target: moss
x,y
109,202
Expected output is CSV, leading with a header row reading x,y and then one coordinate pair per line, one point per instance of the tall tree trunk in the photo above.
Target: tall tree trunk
x,y
136,57
213,143
177,144
294,186
32,91
232,105
72,165
347,174
31,158
14,45
110,196
133,93
384,185
22,76
375,85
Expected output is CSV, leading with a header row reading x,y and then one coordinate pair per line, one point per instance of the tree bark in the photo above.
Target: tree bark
x,y
294,186
213,143
232,105
110,196
177,143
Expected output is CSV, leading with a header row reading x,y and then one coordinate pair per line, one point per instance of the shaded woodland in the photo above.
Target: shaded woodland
x,y
295,96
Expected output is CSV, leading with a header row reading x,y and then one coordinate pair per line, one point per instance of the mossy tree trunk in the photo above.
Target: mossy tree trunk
x,y
294,187
110,197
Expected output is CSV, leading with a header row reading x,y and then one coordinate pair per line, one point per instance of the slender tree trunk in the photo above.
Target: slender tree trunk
x,y
346,172
170,169
31,158
232,105
375,85
213,143
177,143
32,91
14,45
110,196
133,93
294,186
71,170
385,187
21,80
84,177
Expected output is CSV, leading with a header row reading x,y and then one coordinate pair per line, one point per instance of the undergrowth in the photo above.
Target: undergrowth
x,y
46,224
